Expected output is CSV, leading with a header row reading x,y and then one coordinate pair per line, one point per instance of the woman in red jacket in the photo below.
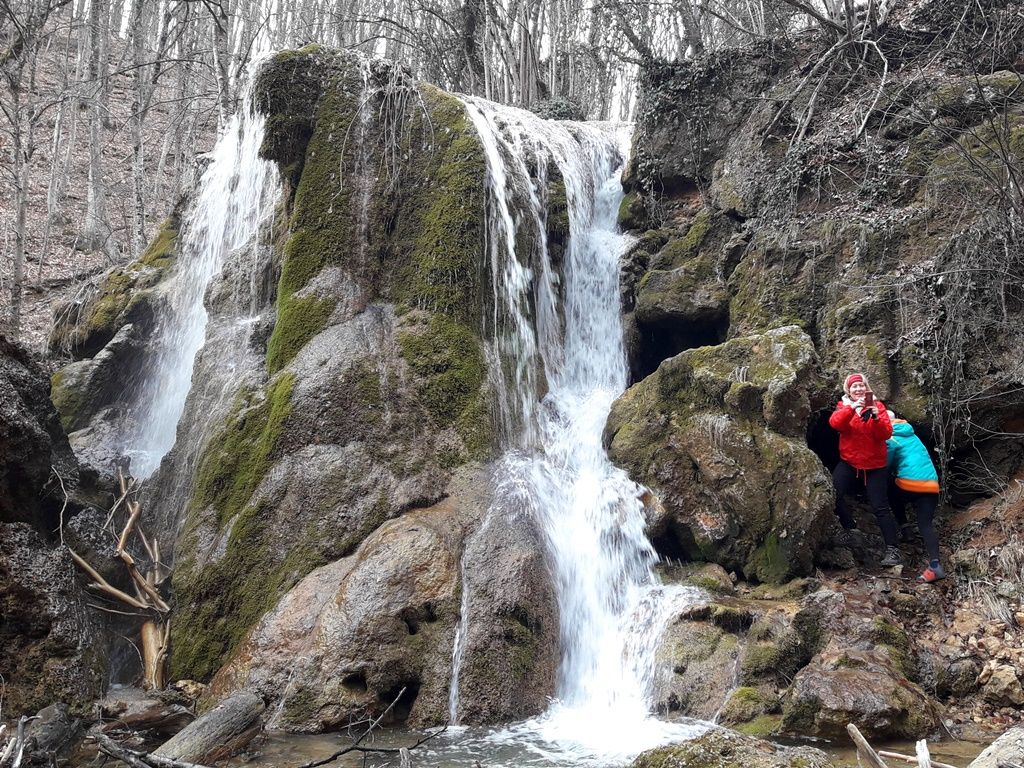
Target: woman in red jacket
x,y
863,426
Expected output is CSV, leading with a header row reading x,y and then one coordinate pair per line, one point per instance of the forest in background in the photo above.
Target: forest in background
x,y
106,103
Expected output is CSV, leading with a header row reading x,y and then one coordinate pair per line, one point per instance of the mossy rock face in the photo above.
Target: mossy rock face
x,y
705,100
775,285
377,386
81,390
720,748
698,658
749,706
718,433
510,651
124,295
682,298
353,633
447,359
287,90
415,238
218,601
860,687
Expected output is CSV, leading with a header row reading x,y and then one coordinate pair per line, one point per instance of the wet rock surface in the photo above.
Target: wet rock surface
x,y
366,631
31,440
511,645
717,434
720,748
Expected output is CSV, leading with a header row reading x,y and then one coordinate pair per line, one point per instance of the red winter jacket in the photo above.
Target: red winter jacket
x,y
862,443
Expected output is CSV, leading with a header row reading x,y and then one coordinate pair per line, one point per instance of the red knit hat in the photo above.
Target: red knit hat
x,y
853,378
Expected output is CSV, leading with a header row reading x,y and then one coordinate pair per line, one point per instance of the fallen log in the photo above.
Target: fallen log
x,y
911,759
864,749
223,731
135,759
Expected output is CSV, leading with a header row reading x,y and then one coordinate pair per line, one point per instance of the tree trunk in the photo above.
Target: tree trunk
x,y
221,732
21,170
154,654
96,231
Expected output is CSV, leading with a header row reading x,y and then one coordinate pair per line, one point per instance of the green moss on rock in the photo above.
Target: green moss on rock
x,y
220,602
298,321
121,297
448,361
895,642
437,214
237,457
769,562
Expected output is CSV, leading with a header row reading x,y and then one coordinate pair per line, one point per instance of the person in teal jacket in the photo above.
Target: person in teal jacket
x,y
916,481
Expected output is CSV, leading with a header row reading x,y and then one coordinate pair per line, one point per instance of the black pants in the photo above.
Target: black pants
x,y
874,482
925,505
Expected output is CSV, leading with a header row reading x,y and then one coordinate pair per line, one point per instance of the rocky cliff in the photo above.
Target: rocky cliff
x,y
801,214
793,221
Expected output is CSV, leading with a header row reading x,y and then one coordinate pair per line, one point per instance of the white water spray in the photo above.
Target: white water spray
x,y
612,607
236,194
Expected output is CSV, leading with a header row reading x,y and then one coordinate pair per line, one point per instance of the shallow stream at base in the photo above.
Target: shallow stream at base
x,y
514,745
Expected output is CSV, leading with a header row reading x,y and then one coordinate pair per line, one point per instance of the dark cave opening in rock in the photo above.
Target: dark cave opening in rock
x,y
659,342
822,439
354,682
674,543
411,620
404,696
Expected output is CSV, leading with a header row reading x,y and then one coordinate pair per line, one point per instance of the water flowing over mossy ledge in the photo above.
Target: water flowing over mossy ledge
x,y
375,215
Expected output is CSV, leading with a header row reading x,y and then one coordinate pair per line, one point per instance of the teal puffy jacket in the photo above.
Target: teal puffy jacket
x,y
909,460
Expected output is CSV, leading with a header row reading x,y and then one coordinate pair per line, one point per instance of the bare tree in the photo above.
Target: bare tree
x,y
24,32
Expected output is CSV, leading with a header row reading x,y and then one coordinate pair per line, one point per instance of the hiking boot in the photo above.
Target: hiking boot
x,y
892,556
931,574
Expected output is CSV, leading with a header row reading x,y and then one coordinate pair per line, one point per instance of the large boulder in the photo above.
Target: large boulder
x,y
1008,748
53,647
367,630
801,659
718,434
34,450
720,748
370,385
509,651
864,674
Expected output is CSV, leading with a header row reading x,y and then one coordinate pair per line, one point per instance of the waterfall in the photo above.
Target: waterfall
x,y
612,607
236,194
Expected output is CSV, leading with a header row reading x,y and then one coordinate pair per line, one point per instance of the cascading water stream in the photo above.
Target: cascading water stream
x,y
612,607
236,194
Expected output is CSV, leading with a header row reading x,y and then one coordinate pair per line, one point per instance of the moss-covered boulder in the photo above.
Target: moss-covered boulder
x,y
374,387
510,648
721,748
368,629
860,687
697,656
123,295
864,671
718,434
